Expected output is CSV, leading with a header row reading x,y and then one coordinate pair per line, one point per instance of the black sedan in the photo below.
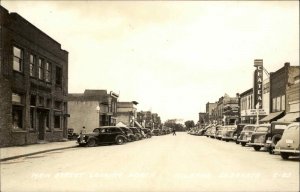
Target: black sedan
x,y
103,135
129,134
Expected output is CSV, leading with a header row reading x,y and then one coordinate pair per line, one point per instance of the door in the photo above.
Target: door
x,y
41,124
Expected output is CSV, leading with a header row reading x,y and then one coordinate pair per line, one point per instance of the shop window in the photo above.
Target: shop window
x,y
49,103
58,104
47,123
278,104
18,59
41,101
48,72
274,105
32,122
58,76
33,100
16,98
17,117
57,122
283,102
32,61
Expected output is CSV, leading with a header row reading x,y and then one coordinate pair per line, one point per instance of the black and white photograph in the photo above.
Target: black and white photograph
x,y
149,96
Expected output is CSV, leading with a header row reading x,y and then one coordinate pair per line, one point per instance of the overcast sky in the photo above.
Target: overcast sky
x,y
172,56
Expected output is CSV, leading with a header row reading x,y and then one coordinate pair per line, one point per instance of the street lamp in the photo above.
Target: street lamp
x,y
98,111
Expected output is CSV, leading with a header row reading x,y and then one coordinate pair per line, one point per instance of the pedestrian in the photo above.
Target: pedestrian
x,y
174,131
83,131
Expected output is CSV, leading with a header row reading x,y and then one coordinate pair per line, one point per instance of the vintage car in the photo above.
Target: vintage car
x,y
102,135
218,133
227,132
288,145
129,134
208,131
147,132
237,132
275,134
136,132
245,136
156,132
259,137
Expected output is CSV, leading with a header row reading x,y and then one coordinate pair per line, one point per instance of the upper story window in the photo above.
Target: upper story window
x,y
41,69
32,63
58,76
18,59
48,71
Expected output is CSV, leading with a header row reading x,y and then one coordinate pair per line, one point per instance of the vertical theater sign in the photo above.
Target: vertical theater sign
x,y
258,87
258,83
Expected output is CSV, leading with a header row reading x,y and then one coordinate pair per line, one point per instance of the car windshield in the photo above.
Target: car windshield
x,y
96,130
249,128
262,129
280,126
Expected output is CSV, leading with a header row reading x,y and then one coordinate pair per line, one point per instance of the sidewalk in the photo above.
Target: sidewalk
x,y
8,153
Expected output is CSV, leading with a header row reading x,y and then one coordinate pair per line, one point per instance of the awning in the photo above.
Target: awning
x,y
290,117
271,117
137,124
121,124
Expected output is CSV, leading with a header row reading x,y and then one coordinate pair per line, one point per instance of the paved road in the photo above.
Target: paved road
x,y
164,163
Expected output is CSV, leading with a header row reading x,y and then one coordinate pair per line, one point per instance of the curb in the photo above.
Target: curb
x,y
34,153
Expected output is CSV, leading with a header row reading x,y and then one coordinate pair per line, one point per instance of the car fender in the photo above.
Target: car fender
x,y
275,139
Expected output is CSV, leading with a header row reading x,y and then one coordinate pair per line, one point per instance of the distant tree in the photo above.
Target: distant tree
x,y
189,124
174,125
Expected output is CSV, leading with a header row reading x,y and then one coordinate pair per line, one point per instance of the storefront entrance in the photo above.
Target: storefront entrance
x,y
43,122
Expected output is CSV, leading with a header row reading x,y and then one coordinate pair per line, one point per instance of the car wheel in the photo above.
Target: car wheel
x,y
257,148
270,150
91,143
227,140
284,156
236,142
243,144
120,140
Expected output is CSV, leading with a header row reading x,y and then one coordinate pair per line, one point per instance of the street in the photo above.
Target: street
x,y
162,163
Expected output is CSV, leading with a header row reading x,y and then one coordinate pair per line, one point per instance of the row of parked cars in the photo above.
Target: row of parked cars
x,y
118,135
276,137
113,135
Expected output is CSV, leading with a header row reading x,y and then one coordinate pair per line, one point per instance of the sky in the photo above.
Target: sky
x,y
172,57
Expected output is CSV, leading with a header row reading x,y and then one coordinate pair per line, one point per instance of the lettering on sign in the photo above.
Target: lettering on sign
x,y
258,82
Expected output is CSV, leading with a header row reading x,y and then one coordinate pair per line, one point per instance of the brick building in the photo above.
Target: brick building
x,y
126,113
33,83
209,111
92,109
284,94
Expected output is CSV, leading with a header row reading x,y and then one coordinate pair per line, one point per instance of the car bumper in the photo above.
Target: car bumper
x,y
295,151
256,144
230,138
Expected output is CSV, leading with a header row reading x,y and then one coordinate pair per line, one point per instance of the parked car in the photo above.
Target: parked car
x,y
227,133
147,132
276,131
288,145
103,135
208,131
259,137
218,133
71,134
156,132
129,134
136,132
245,136
237,132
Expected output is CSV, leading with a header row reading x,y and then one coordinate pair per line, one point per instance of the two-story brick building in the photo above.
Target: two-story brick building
x,y
92,109
33,83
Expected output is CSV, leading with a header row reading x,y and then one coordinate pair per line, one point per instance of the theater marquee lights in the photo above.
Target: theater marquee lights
x,y
258,82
